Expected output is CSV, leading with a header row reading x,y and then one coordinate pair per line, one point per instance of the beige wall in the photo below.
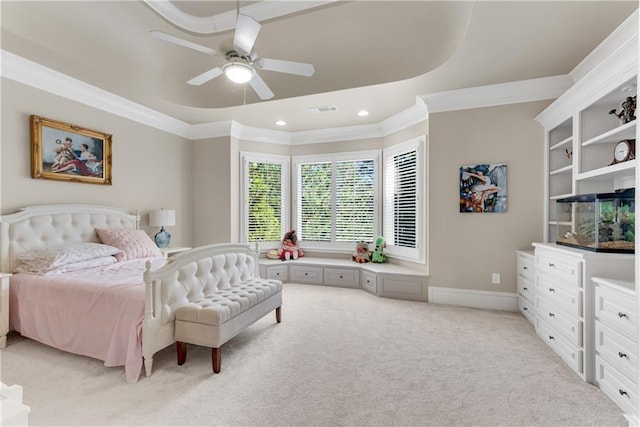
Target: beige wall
x,y
465,248
200,179
151,169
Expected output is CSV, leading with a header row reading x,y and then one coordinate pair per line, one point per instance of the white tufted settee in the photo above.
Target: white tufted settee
x,y
212,293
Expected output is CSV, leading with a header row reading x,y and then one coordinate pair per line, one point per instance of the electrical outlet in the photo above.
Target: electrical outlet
x,y
495,278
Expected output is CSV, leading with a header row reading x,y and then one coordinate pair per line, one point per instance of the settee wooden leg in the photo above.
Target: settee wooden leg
x,y
181,349
279,314
216,359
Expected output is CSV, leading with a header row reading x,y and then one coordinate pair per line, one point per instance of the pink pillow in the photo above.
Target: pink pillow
x,y
133,243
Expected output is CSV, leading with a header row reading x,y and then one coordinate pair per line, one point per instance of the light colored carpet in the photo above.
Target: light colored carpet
x,y
341,357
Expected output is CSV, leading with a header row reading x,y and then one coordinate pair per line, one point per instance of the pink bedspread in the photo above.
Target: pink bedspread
x,y
96,312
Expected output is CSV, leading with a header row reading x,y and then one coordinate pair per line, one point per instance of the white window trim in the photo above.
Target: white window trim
x,y
417,254
245,159
335,157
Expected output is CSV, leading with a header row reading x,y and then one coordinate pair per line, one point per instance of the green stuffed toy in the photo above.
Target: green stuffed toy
x,y
378,255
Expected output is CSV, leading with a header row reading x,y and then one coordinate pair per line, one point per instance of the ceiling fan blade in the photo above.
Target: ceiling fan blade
x,y
181,42
290,67
260,87
206,76
247,30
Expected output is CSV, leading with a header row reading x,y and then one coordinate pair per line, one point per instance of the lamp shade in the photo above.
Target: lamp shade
x,y
238,72
162,218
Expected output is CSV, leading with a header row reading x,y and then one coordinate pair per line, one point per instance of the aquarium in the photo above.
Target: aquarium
x,y
597,222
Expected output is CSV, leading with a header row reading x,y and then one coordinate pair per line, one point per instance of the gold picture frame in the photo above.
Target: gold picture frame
x,y
65,152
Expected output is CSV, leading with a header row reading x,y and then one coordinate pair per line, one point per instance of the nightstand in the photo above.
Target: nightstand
x,y
167,252
4,308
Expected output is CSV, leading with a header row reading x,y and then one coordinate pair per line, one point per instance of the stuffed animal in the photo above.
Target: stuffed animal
x,y
362,254
290,249
378,254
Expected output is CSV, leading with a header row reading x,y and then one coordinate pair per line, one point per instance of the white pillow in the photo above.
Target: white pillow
x,y
133,243
45,259
66,268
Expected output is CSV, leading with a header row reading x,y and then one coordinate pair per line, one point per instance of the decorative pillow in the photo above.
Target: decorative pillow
x,y
74,266
45,259
133,243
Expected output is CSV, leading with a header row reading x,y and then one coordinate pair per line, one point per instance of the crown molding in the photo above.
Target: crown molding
x,y
498,94
621,36
620,66
260,11
32,74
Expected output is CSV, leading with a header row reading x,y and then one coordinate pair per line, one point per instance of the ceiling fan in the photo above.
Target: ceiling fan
x,y
241,61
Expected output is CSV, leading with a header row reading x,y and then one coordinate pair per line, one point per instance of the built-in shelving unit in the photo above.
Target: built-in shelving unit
x,y
584,320
579,153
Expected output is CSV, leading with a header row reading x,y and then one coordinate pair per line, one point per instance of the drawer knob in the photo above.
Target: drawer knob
x,y
525,288
525,268
552,265
306,274
621,355
551,290
525,308
551,337
621,314
341,277
622,392
552,315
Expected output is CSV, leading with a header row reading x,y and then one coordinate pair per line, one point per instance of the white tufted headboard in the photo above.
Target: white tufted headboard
x,y
54,225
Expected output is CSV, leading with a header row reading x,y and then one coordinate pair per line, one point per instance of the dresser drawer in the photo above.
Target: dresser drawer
x,y
572,355
562,267
347,277
526,308
278,272
569,326
306,274
618,350
615,385
369,282
566,297
617,310
525,288
526,265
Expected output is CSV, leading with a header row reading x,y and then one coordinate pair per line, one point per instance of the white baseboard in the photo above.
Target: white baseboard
x,y
471,298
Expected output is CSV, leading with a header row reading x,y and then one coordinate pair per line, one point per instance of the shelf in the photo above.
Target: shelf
x,y
565,223
625,131
560,196
619,170
561,143
564,169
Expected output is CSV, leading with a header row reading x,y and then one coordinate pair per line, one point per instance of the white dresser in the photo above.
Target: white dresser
x,y
564,300
616,343
526,284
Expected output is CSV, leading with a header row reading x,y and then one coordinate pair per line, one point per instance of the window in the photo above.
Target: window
x,y
336,199
403,204
265,210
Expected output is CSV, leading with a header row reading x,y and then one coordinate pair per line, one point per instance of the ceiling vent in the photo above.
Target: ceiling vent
x,y
323,109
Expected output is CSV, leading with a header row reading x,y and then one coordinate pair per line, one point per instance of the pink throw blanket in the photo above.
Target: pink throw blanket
x,y
96,312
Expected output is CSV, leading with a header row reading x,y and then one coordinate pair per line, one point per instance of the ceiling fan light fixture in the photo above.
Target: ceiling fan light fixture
x,y
238,72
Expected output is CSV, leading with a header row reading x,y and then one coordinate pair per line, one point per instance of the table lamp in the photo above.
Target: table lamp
x,y
161,218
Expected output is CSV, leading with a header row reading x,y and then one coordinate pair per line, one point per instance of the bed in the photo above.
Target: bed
x,y
105,312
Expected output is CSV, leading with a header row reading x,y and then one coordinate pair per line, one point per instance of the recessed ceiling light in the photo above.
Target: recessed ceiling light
x,y
363,113
281,123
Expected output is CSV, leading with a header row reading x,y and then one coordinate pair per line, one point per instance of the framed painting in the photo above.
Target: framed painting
x,y
65,152
483,188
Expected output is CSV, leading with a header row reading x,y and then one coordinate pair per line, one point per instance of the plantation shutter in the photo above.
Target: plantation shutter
x,y
314,201
354,200
401,198
265,201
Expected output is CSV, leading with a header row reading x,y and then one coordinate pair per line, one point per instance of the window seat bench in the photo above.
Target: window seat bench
x,y
384,280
